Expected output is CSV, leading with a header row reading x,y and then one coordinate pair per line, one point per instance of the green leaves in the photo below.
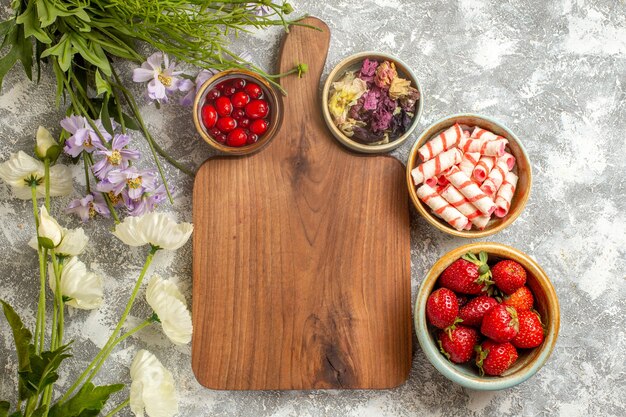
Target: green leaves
x,y
21,50
86,403
4,408
32,27
43,370
21,336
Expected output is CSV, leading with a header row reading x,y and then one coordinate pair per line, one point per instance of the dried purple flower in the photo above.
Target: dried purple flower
x,y
368,70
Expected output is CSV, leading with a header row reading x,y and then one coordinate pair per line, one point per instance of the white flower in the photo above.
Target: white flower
x,y
152,388
73,242
83,288
49,232
156,229
46,146
21,167
170,305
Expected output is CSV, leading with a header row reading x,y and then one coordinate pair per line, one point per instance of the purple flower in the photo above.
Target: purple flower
x,y
84,137
115,158
132,179
371,98
201,78
381,117
146,203
88,206
162,77
368,70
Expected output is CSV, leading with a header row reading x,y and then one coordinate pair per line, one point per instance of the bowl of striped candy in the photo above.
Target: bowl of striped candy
x,y
469,175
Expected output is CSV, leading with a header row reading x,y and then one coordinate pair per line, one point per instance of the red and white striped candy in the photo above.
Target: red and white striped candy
x,y
483,168
462,204
505,194
495,178
510,160
471,191
436,166
441,207
480,133
468,162
444,141
484,146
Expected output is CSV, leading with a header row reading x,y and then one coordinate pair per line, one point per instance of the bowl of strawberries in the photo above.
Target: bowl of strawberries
x,y
487,316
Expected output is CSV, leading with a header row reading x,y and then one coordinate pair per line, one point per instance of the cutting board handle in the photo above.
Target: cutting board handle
x,y
309,46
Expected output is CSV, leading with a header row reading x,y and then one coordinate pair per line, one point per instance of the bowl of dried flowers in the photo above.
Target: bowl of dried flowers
x,y
372,102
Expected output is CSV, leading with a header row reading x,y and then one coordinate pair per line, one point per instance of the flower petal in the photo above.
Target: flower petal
x,y
169,304
141,75
152,387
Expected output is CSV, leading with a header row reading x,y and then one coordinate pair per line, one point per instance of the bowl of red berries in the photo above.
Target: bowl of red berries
x,y
487,316
237,112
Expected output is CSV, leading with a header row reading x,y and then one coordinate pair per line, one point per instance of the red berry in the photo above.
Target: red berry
x,y
530,330
223,106
442,308
500,323
239,83
221,85
508,276
258,126
473,312
213,94
240,99
522,299
462,299
209,116
229,90
252,138
215,132
221,138
237,137
244,122
468,275
458,344
257,109
253,90
226,124
494,358
238,114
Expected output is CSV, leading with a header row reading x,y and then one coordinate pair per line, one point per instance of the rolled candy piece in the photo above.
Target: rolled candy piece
x,y
484,146
468,162
442,142
495,178
510,160
483,168
480,133
462,204
436,202
471,191
432,182
436,166
505,194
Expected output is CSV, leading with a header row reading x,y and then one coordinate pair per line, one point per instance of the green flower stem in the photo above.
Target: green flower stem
x,y
58,269
87,184
118,408
116,342
41,306
46,165
112,338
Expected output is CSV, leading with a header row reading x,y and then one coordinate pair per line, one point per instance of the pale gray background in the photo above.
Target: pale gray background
x,y
553,71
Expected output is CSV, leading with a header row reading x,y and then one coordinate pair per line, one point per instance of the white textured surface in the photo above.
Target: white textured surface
x,y
553,71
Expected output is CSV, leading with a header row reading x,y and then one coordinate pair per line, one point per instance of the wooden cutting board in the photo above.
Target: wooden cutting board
x,y
301,254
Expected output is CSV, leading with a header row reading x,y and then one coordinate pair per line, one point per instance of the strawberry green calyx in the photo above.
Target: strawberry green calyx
x,y
451,327
442,350
481,355
514,319
484,273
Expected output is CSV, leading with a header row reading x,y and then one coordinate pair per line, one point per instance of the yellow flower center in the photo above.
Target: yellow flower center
x,y
134,183
114,198
165,80
115,158
92,211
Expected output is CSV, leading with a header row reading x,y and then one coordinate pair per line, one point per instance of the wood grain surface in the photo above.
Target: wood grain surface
x,y
301,257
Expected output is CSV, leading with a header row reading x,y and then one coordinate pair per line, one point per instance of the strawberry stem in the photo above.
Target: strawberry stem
x,y
484,272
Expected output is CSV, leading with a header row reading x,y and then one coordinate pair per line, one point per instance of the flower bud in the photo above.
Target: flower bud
x,y
50,233
46,146
287,8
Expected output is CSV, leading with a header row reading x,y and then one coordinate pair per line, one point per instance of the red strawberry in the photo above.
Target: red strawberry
x,y
500,323
530,330
473,312
468,275
508,276
458,344
442,308
522,299
462,299
494,358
